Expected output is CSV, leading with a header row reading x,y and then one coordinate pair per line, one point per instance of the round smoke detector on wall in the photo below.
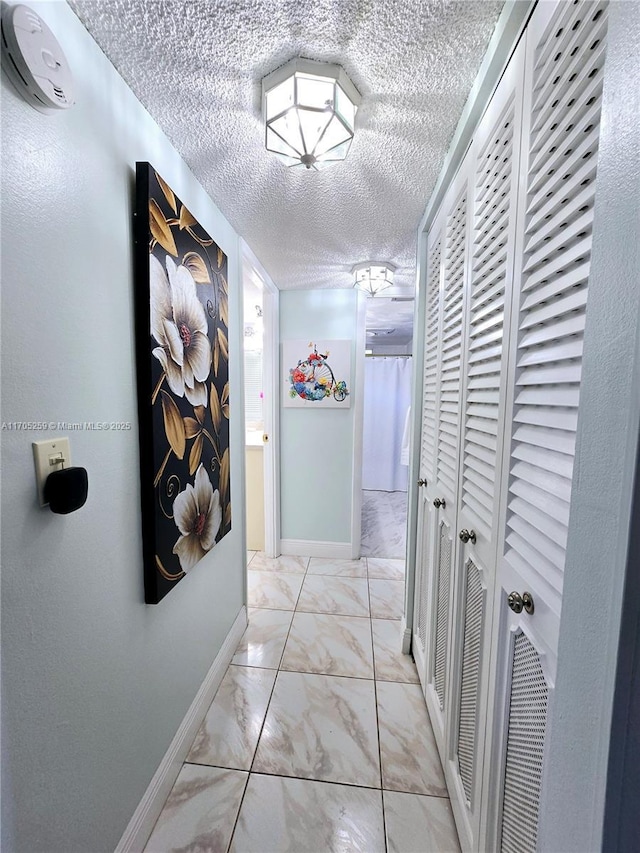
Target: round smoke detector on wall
x,y
34,61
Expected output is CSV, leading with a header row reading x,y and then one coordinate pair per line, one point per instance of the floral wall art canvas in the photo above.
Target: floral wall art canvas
x,y
317,374
183,385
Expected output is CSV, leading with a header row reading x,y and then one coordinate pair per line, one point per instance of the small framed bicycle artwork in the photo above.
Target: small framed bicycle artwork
x,y
317,374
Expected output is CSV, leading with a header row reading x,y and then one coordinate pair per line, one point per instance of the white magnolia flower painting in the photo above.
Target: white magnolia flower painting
x,y
183,385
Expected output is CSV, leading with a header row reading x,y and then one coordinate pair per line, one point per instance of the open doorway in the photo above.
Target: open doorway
x,y
387,398
260,315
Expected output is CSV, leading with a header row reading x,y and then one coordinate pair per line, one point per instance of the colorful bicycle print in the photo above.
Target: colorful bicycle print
x,y
313,379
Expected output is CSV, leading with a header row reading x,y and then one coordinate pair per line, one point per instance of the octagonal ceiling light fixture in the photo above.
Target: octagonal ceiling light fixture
x,y
309,110
373,276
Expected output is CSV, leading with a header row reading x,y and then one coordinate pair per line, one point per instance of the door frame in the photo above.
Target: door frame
x,y
252,267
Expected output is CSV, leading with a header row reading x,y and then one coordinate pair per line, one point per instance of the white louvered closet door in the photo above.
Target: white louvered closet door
x,y
565,52
495,158
442,489
425,554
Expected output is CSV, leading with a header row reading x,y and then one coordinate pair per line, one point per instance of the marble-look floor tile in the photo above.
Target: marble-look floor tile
x,y
387,599
390,663
328,594
416,823
263,642
295,815
283,563
339,568
384,524
321,727
391,570
200,812
275,590
250,556
230,731
408,749
332,645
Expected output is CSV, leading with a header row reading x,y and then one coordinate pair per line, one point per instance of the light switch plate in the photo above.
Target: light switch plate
x,y
43,454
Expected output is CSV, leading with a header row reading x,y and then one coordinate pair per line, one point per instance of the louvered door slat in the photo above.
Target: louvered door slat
x,y
560,284
453,289
486,314
548,418
539,309
484,433
553,352
555,204
578,27
496,173
490,274
555,234
470,678
556,507
535,517
486,300
574,64
566,156
547,460
442,614
431,362
525,750
480,473
482,449
550,333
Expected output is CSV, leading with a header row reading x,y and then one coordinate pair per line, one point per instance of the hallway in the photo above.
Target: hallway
x,y
318,738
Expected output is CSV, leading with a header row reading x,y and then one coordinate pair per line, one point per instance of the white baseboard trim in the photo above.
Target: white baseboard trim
x,y
308,548
406,637
145,816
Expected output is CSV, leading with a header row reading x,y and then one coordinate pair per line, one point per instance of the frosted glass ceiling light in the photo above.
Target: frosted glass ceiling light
x,y
309,111
373,276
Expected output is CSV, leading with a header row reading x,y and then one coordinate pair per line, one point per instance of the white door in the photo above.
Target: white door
x,y
441,491
425,552
565,51
494,175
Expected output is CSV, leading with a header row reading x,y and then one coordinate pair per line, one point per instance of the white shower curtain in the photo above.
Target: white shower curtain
x,y
387,396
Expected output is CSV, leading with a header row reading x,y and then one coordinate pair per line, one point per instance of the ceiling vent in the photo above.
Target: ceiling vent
x,y
34,61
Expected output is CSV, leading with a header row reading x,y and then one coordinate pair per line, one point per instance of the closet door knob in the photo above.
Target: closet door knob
x,y
439,502
468,536
515,602
518,602
422,482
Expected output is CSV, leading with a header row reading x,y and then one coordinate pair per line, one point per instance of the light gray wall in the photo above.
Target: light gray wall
x,y
95,682
317,447
581,710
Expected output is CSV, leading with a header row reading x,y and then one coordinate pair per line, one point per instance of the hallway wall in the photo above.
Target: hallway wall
x,y
95,682
317,448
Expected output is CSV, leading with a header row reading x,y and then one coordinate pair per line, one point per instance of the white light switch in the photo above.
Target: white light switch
x,y
49,456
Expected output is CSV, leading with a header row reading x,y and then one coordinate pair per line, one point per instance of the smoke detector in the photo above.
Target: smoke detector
x,y
34,61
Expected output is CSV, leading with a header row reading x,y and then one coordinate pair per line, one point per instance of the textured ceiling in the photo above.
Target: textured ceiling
x,y
197,67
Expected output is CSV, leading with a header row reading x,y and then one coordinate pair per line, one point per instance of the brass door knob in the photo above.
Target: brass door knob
x,y
467,536
439,502
422,482
518,602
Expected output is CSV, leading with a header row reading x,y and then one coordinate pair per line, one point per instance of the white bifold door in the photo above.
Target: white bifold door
x,y
507,274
